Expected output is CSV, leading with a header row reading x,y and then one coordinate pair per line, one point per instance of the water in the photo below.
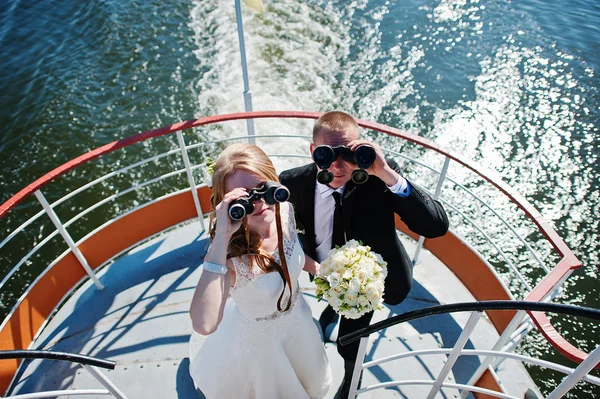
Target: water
x,y
513,85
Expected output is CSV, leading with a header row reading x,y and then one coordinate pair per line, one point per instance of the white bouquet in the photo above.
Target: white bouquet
x,y
351,279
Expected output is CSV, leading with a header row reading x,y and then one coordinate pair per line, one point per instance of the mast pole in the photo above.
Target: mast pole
x,y
247,93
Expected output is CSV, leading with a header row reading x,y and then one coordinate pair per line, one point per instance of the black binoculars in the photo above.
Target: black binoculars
x,y
325,155
271,191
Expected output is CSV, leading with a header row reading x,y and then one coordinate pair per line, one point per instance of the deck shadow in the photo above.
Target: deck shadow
x,y
93,323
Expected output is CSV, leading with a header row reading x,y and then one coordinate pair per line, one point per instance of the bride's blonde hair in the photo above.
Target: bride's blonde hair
x,y
252,159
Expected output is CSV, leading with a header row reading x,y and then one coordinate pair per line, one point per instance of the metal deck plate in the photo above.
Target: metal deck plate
x,y
140,320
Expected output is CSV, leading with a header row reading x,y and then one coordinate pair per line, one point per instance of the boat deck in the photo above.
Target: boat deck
x,y
140,320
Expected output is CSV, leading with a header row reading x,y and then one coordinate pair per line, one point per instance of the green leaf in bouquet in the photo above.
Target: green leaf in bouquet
x,y
210,166
321,283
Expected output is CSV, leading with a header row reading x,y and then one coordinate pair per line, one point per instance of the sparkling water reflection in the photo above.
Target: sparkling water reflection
x,y
511,85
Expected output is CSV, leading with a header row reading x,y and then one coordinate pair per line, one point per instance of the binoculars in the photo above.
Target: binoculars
x,y
272,192
325,155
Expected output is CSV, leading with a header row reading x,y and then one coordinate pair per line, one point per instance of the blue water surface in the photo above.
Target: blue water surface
x,y
510,84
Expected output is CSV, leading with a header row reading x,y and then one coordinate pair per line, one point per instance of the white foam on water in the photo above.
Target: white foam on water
x,y
298,59
292,60
318,57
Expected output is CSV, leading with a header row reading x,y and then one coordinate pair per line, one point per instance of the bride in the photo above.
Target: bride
x,y
266,345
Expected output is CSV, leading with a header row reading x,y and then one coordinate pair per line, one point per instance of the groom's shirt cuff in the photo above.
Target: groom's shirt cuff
x,y
401,188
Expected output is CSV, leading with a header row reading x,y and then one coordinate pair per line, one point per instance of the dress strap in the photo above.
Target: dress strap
x,y
282,258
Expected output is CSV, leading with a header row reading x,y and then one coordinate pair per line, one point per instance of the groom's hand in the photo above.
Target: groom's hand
x,y
380,167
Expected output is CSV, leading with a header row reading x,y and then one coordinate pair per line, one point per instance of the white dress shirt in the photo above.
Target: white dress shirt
x,y
324,207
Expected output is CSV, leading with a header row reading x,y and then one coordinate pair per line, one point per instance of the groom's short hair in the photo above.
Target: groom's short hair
x,y
336,121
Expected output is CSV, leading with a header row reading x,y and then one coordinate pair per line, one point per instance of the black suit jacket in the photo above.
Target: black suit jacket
x,y
369,217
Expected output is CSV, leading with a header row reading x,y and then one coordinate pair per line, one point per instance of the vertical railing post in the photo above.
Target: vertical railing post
x,y
360,357
67,237
418,250
443,173
503,339
247,94
108,384
589,363
456,351
190,176
436,195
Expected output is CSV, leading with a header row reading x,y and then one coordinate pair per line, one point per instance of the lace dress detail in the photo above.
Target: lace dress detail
x,y
258,351
244,273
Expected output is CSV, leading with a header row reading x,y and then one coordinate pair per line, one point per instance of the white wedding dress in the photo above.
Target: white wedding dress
x,y
257,351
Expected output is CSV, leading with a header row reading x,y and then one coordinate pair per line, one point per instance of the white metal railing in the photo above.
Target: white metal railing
x,y
436,196
83,188
82,214
190,176
66,392
67,237
85,211
91,364
573,375
189,168
470,221
90,234
479,199
93,207
513,334
492,357
489,239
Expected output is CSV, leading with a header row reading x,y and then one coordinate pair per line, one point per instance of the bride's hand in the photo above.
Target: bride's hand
x,y
311,265
225,225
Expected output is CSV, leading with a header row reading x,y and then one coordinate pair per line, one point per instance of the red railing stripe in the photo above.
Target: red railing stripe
x,y
568,262
115,145
490,177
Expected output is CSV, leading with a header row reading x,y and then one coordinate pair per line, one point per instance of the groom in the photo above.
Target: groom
x,y
365,213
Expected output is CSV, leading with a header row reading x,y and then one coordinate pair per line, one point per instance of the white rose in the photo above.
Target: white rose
x,y
351,254
325,269
352,314
347,274
371,270
338,258
363,276
333,279
363,264
339,268
354,286
351,299
336,290
335,302
372,292
352,244
363,301
378,304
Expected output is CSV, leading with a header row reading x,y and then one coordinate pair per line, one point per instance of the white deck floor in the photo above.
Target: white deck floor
x,y
140,320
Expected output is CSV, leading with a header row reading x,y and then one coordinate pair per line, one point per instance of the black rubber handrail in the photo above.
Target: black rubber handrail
x,y
472,306
69,357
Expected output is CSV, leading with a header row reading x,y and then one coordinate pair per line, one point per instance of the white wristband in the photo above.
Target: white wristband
x,y
214,268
